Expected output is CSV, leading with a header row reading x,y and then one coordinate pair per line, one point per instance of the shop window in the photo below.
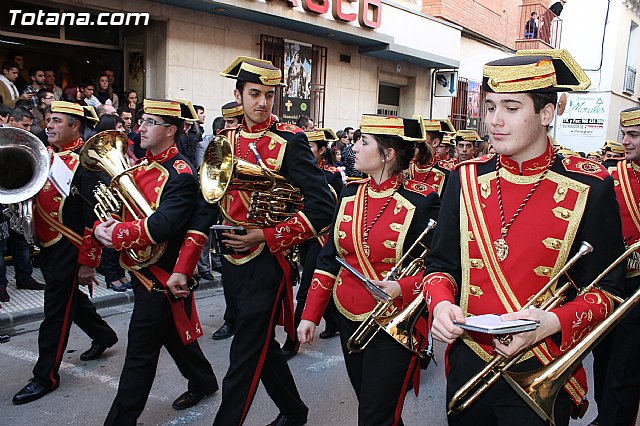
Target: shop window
x,y
304,68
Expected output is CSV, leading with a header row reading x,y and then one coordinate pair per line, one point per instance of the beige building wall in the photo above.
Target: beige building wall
x,y
186,50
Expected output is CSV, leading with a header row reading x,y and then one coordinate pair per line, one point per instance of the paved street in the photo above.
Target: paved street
x,y
87,388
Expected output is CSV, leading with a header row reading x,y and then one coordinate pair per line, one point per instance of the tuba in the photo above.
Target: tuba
x,y
24,162
106,151
399,326
274,199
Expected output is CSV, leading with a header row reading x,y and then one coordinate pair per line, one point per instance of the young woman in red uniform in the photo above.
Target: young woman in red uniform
x,y
377,219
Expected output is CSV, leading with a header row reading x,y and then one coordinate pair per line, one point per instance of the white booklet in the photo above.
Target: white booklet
x,y
61,176
492,324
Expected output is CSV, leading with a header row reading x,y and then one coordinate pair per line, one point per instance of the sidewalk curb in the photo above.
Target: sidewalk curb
x,y
115,299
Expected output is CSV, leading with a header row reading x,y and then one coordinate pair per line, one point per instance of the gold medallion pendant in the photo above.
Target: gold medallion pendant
x,y
365,247
502,249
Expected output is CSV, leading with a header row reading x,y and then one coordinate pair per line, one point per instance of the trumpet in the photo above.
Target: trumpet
x,y
483,380
383,313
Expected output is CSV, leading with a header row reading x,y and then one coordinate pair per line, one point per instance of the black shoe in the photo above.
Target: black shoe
x,y
328,334
224,332
189,399
207,276
4,296
290,348
30,285
118,286
34,390
283,420
94,352
4,338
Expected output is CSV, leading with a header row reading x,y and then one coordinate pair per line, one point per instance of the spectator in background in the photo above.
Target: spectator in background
x,y
105,110
87,89
127,116
200,123
531,27
17,57
343,140
109,122
305,123
131,99
349,132
50,83
37,82
19,118
349,157
4,114
71,94
8,89
111,75
104,92
42,135
45,97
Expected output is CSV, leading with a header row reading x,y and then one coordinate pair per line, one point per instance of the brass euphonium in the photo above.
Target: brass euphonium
x,y
274,199
25,167
399,326
489,375
540,388
107,152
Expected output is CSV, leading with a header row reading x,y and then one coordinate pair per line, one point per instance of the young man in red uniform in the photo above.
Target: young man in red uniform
x,y
169,184
69,255
260,279
616,369
508,223
426,167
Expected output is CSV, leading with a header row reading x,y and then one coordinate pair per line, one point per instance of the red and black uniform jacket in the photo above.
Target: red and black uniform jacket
x,y
433,174
71,217
626,176
284,149
169,184
575,202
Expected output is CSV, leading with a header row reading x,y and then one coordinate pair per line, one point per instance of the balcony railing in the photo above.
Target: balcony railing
x,y
629,80
542,31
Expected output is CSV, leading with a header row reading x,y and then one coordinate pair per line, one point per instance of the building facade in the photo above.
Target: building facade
x,y
340,58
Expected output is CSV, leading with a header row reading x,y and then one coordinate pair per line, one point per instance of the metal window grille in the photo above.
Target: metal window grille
x,y
629,80
272,49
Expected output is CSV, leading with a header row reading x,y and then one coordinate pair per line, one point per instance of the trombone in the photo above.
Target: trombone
x,y
483,380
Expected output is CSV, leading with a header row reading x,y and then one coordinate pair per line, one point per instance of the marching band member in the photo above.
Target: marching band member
x,y
425,166
318,142
616,369
69,256
260,279
168,182
508,223
377,219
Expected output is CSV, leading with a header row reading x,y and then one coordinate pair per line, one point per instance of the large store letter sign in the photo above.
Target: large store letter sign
x,y
369,11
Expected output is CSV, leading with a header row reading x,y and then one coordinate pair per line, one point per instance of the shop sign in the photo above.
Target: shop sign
x,y
368,11
582,114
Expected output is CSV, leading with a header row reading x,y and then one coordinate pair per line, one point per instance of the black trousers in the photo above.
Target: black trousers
x,y
499,405
380,375
616,371
110,266
150,329
258,289
64,303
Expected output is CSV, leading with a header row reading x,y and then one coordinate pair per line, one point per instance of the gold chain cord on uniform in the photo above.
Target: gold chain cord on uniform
x,y
365,234
506,226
